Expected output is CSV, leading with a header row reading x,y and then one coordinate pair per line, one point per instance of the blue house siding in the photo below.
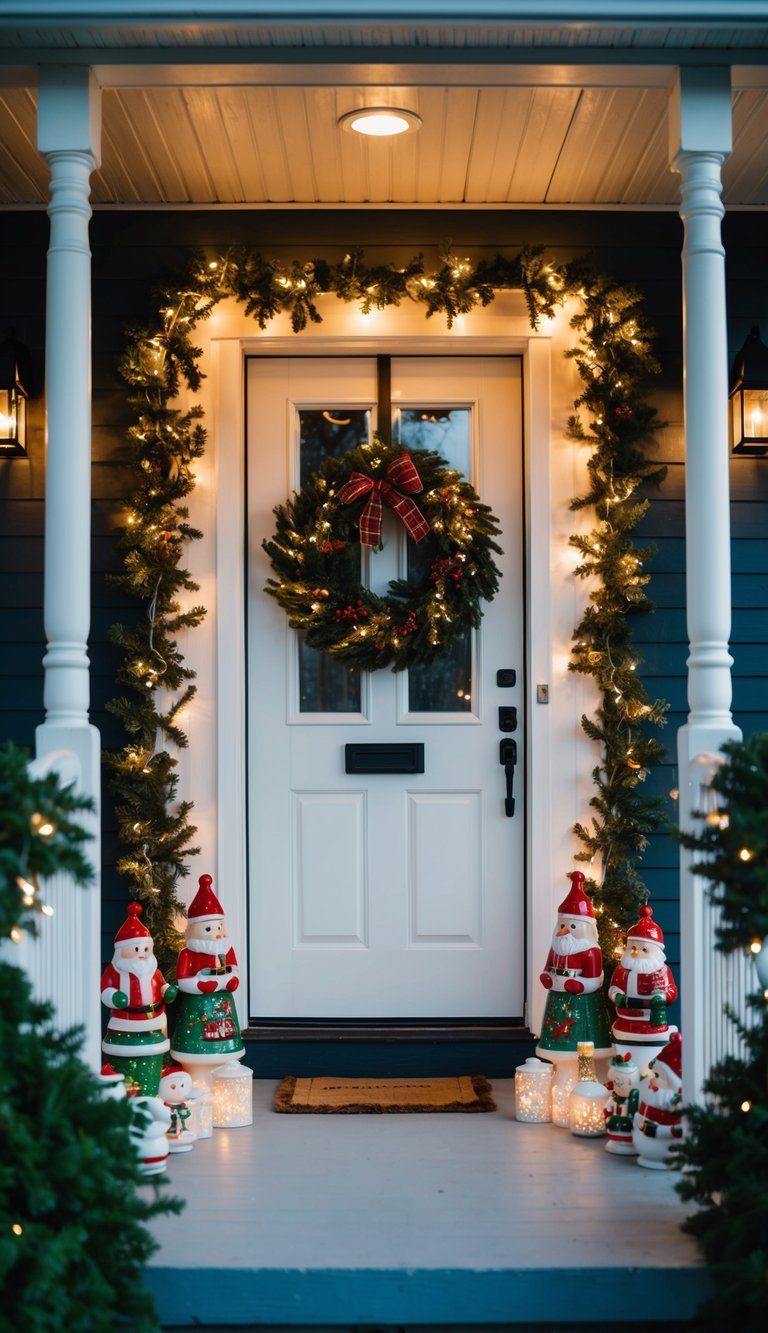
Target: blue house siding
x,y
131,250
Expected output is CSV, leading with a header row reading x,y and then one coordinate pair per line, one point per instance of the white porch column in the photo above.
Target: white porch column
x,y
69,137
700,140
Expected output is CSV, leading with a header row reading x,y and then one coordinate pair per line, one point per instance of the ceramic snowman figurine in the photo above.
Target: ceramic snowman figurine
x,y
150,1119
176,1090
622,1082
658,1121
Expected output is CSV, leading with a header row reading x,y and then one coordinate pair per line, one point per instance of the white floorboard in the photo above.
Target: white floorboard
x,y
410,1192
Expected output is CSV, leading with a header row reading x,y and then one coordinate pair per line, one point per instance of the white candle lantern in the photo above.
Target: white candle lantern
x,y
586,1104
533,1091
562,1086
232,1096
201,1106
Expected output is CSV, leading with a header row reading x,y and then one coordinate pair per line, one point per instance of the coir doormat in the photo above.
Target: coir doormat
x,y
374,1096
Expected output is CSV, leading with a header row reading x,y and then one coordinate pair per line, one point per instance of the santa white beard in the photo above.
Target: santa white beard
x,y
566,944
210,946
640,964
142,968
138,967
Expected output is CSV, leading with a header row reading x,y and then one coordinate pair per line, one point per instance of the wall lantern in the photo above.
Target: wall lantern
x,y
15,384
748,393
380,122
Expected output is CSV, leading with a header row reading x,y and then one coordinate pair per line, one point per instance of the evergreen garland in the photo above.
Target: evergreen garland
x,y
724,1155
615,363
315,553
613,359
73,1240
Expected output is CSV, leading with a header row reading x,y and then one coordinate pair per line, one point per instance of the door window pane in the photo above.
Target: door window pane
x,y
443,686
326,686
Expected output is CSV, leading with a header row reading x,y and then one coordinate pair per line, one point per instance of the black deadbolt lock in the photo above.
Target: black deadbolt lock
x,y
507,719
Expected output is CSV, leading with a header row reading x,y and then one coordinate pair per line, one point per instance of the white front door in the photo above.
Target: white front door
x,y
384,895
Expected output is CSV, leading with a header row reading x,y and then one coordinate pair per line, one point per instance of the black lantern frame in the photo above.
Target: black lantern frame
x,y
15,389
748,393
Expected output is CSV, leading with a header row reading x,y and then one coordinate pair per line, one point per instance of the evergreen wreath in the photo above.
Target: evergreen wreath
x,y
315,554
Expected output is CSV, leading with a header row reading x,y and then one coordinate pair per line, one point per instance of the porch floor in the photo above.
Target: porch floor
x,y
418,1219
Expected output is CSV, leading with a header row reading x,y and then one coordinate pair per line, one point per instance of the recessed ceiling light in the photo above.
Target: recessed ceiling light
x,y
380,121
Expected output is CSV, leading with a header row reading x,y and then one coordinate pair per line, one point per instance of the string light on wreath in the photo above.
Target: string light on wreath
x,y
315,555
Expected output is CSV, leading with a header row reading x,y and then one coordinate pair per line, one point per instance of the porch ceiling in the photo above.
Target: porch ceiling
x,y
248,142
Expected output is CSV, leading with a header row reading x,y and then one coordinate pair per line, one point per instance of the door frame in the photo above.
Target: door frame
x,y
557,763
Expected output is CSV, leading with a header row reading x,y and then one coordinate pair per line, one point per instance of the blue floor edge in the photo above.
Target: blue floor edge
x,y
278,1296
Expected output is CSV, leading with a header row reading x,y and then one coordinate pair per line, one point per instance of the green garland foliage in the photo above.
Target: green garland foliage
x,y
316,554
725,1152
612,354
73,1239
615,363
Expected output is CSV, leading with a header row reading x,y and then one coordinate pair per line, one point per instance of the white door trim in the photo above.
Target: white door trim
x,y
557,762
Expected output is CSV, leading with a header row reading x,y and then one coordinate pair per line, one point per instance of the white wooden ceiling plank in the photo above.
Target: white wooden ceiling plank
x,y
207,116
246,146
548,117
638,118
745,168
594,136
459,111
321,111
267,140
138,159
353,162
292,141
496,139
189,155
24,171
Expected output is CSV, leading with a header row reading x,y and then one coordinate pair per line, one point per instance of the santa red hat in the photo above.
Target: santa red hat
x,y
577,903
646,928
171,1070
205,906
132,928
672,1057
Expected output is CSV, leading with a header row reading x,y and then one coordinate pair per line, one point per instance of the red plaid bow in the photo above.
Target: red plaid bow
x,y
401,475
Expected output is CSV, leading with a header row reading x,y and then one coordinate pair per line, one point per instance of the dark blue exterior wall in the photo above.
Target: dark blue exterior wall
x,y
131,250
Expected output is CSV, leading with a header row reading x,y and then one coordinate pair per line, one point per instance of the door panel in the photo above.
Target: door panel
x,y
383,895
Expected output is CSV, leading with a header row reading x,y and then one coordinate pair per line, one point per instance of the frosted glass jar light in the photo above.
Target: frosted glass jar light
x,y
232,1096
562,1086
200,1104
533,1091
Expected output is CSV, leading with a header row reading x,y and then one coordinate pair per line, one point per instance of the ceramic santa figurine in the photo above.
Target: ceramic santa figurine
x,y
150,1119
135,991
622,1083
658,1122
641,988
206,1029
573,977
175,1090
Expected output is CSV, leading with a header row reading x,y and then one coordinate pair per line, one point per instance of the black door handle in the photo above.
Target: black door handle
x,y
508,757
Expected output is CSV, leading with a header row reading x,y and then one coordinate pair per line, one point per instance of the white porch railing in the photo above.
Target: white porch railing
x,y
727,980
62,960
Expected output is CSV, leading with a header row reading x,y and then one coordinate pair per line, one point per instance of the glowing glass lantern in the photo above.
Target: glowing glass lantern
x,y
586,1104
200,1104
232,1096
748,393
533,1091
562,1087
15,381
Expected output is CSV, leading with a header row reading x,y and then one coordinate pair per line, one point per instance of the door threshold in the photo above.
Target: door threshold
x,y
383,1030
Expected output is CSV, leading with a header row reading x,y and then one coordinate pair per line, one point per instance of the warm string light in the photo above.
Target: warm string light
x,y
608,319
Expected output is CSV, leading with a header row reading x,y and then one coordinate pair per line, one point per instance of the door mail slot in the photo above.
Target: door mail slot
x,y
384,757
